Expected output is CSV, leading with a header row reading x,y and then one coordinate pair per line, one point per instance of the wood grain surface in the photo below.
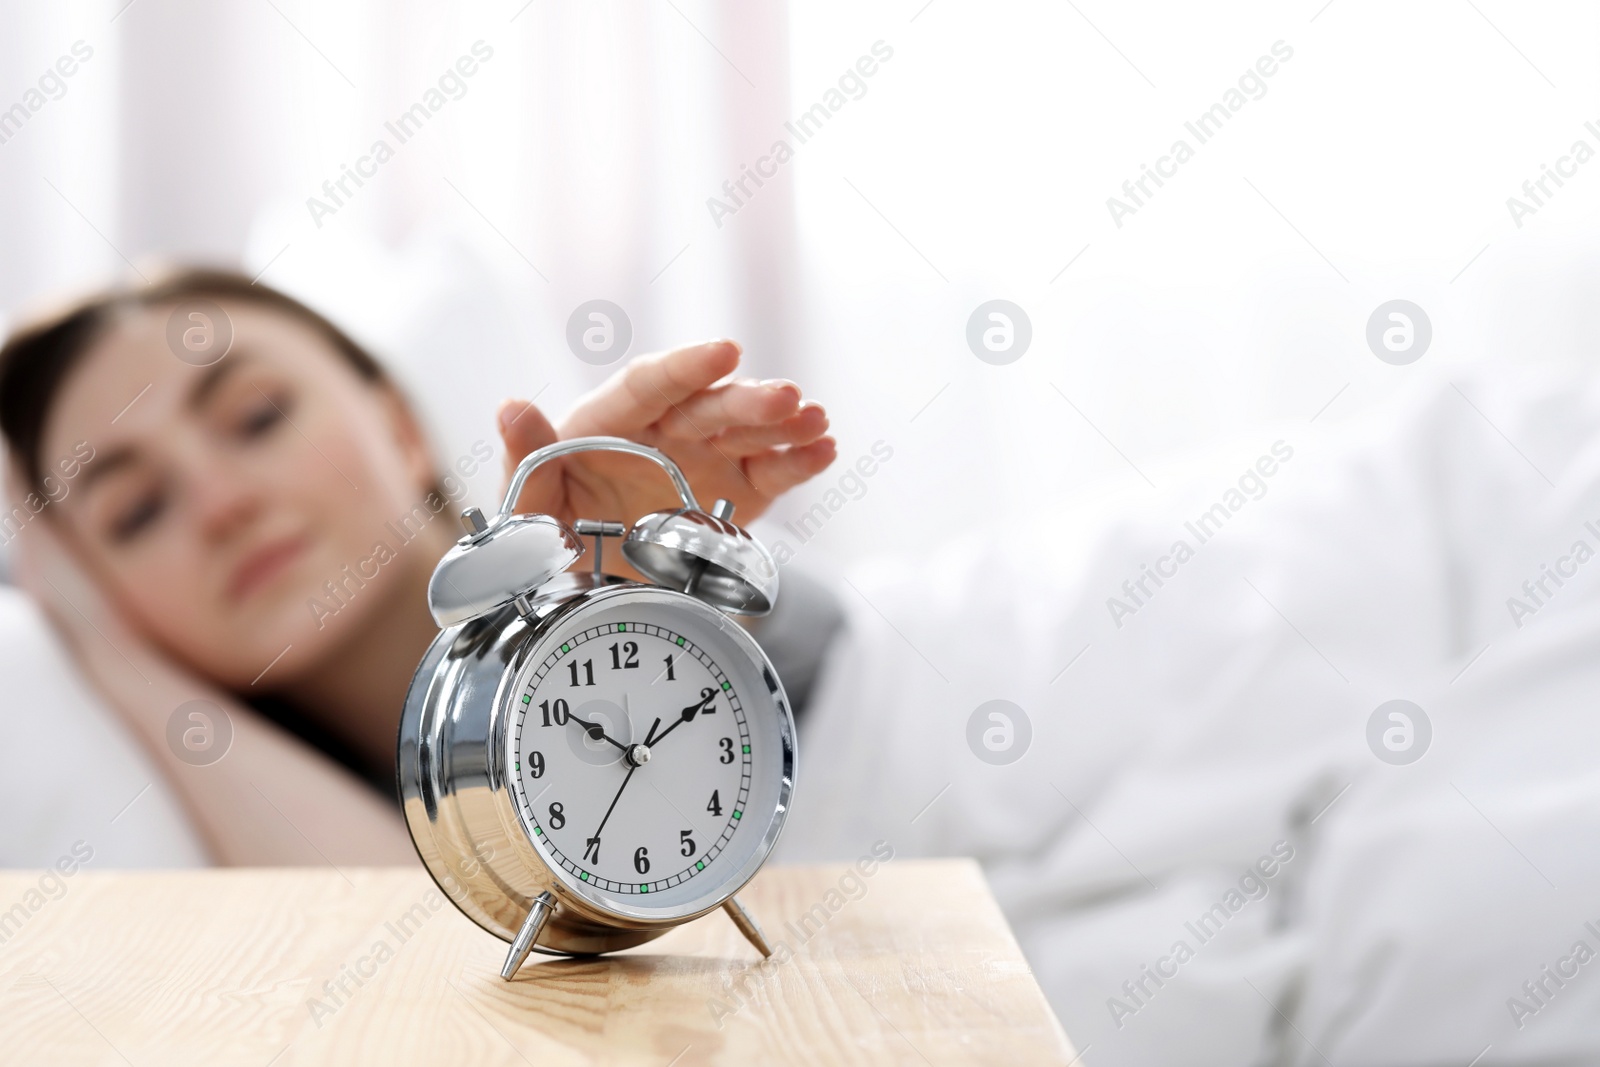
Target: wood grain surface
x,y
914,964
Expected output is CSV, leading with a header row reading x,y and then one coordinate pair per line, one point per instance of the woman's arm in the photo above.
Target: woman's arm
x,y
269,799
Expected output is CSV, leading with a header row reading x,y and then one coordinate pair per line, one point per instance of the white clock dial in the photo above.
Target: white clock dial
x,y
645,753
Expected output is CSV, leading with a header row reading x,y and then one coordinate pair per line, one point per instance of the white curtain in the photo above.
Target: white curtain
x,y
975,162
578,153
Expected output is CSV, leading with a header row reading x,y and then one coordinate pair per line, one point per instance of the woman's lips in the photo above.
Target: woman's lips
x,y
261,566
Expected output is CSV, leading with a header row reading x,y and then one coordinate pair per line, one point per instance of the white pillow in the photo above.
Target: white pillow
x,y
73,781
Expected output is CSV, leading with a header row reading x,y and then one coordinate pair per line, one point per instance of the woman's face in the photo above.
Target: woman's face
x,y
221,499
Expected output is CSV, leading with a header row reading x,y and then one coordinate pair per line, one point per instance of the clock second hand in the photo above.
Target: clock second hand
x,y
624,785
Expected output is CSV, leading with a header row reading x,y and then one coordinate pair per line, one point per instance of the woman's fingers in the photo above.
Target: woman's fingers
x,y
523,428
646,389
801,428
776,472
732,404
52,575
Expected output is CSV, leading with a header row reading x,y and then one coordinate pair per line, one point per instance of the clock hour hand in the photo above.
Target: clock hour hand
x,y
595,731
707,695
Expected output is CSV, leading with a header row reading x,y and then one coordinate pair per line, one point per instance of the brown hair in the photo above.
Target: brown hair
x,y
37,358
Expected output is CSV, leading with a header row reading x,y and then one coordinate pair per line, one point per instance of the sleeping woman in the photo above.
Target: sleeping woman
x,y
209,506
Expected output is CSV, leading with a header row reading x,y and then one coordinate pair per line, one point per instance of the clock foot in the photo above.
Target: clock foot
x,y
747,925
543,905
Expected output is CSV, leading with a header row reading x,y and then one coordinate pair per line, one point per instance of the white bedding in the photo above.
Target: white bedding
x,y
70,773
1230,712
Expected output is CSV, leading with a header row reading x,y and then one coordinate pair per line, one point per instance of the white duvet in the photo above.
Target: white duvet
x,y
1198,772
1224,725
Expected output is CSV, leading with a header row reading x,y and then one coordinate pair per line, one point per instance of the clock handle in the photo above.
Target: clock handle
x,y
543,905
747,925
593,444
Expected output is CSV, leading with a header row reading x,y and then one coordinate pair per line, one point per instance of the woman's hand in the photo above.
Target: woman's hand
x,y
114,655
739,439
267,795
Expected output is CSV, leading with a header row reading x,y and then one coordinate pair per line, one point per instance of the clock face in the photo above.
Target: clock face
x,y
651,752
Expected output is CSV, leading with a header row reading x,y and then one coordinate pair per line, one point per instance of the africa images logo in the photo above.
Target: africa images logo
x,y
736,192
1202,128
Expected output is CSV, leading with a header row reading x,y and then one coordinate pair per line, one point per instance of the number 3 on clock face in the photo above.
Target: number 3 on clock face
x,y
587,761
649,755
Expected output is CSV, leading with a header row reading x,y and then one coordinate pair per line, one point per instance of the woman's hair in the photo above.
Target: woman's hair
x,y
37,358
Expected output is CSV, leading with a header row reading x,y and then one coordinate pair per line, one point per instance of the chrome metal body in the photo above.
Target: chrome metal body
x,y
454,783
499,593
747,925
482,573
511,555
544,905
707,556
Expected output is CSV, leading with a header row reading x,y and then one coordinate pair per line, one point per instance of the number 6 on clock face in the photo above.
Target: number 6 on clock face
x,y
642,738
587,761
617,812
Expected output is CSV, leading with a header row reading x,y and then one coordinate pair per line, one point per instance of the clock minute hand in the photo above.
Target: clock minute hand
x,y
707,695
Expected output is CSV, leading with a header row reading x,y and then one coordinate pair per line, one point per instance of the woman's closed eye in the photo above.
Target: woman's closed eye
x,y
263,416
138,515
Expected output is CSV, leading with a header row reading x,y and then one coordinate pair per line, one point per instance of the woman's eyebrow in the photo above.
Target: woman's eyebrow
x,y
112,460
213,378
107,462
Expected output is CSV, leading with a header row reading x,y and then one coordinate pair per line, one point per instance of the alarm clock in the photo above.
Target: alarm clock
x,y
587,761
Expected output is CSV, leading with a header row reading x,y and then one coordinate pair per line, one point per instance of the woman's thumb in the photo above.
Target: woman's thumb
x,y
523,428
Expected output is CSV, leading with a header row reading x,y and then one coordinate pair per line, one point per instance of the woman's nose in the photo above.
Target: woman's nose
x,y
225,499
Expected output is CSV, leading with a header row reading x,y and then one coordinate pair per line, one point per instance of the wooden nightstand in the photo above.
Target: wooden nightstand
x,y
292,967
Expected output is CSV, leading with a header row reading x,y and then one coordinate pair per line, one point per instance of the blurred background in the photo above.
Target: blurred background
x,y
939,155
976,164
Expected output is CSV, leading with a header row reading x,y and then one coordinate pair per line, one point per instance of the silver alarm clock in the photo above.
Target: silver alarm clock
x,y
586,761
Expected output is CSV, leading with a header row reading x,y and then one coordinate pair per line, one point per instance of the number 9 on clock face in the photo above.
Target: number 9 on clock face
x,y
651,755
